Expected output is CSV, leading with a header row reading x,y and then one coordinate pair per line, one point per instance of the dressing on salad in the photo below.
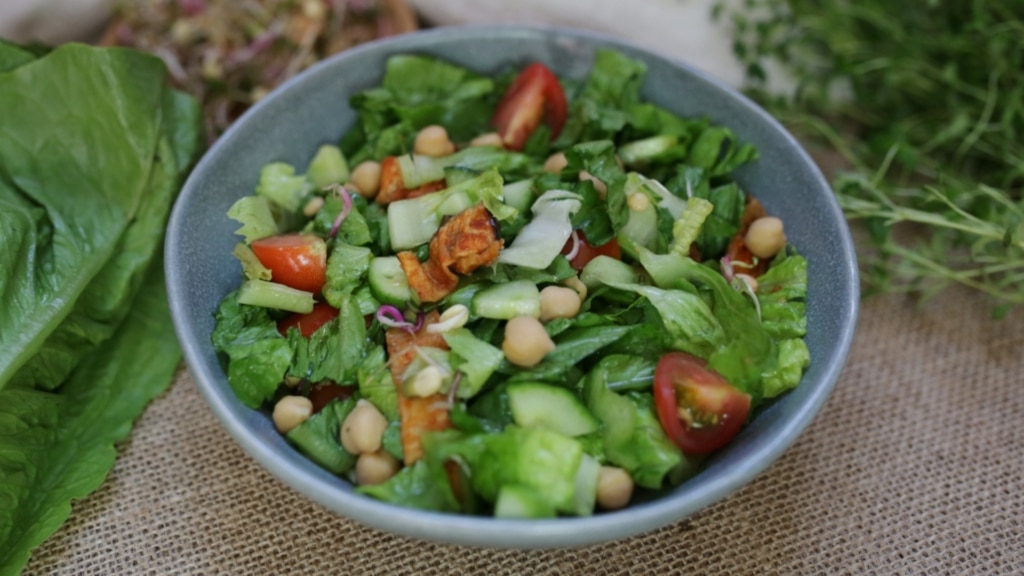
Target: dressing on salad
x,y
528,297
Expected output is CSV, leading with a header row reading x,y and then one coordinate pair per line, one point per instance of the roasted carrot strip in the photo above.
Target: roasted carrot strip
x,y
419,415
430,280
392,188
463,244
738,253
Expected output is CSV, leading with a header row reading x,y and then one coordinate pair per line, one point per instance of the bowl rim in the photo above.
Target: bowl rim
x,y
487,531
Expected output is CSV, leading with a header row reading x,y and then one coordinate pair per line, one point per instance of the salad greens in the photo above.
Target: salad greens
x,y
612,230
86,186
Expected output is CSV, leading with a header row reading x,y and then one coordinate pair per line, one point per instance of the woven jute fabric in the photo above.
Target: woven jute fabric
x,y
914,466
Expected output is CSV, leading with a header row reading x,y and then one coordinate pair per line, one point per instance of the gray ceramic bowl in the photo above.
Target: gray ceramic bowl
x,y
312,109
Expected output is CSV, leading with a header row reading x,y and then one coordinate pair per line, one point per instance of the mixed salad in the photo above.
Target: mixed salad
x,y
530,296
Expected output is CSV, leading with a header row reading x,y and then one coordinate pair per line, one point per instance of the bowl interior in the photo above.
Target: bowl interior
x,y
312,109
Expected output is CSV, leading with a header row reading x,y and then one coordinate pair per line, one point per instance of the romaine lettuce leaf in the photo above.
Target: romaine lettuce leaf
x,y
319,437
633,438
476,359
794,357
599,110
56,447
782,293
86,184
60,227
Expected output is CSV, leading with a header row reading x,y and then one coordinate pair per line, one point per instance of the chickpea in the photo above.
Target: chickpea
x,y
765,237
290,411
576,284
638,202
313,206
363,429
614,488
558,302
600,186
526,342
433,141
488,139
366,178
426,382
555,163
375,467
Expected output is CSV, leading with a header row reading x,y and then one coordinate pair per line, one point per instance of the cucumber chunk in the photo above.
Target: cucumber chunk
x,y
274,295
506,301
536,405
519,501
388,282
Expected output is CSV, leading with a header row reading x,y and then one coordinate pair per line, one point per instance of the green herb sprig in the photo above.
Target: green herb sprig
x,y
925,104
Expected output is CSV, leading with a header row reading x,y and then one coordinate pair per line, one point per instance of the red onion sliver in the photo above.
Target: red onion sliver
x,y
420,317
346,197
391,317
727,269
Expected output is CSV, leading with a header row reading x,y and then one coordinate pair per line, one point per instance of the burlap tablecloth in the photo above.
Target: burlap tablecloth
x,y
915,466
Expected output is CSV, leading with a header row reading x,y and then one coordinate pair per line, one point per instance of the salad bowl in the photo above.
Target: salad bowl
x,y
312,109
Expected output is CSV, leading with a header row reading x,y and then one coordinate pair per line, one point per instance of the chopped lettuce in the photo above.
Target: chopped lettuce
x,y
279,184
255,216
541,240
600,109
346,267
633,439
376,385
781,292
319,437
794,358
476,359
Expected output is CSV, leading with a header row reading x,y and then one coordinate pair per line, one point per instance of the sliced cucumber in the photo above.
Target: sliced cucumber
x,y
519,501
388,282
506,301
457,174
537,405
646,150
586,485
519,195
274,295
607,269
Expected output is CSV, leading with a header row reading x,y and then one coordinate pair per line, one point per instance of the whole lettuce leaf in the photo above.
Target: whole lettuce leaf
x,y
95,148
74,173
59,446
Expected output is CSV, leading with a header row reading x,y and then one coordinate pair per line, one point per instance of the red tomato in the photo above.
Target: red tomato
x,y
322,394
697,408
310,322
742,260
296,260
534,93
588,251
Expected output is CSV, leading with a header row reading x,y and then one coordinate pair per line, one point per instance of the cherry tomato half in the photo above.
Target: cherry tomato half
x,y
309,322
296,260
697,408
588,251
535,93
322,394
